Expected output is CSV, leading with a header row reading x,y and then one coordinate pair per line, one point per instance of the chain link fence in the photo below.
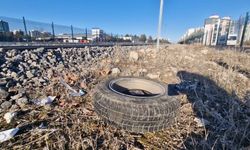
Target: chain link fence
x,y
20,30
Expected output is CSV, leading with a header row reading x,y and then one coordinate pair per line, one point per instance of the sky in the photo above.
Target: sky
x,y
125,16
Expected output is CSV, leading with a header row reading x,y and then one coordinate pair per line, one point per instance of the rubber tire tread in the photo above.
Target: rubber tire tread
x,y
135,114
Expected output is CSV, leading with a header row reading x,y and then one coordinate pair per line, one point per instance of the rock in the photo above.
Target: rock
x,y
30,61
60,66
3,93
33,57
49,73
36,81
6,105
83,85
29,74
133,56
10,83
14,75
153,76
115,71
9,116
41,80
14,107
34,64
22,101
49,54
4,69
19,95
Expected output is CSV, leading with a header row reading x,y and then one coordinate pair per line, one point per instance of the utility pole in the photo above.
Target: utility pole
x,y
159,25
53,30
86,33
72,33
244,30
25,27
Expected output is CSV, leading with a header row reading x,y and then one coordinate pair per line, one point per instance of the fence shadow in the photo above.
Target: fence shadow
x,y
226,118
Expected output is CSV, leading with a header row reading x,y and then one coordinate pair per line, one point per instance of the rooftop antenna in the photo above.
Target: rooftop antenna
x,y
159,26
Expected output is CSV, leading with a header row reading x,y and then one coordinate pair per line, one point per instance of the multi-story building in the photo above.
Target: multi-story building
x,y
217,30
193,36
236,31
211,30
127,38
191,32
18,32
247,34
97,34
35,33
234,27
188,33
223,31
4,26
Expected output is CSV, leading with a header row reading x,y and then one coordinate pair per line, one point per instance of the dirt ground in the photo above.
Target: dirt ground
x,y
215,114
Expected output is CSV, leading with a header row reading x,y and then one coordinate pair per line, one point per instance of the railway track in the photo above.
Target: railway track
x,y
55,46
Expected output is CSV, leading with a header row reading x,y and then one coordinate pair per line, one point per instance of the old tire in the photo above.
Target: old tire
x,y
135,104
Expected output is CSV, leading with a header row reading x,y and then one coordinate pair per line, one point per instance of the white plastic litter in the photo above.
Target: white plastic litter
x,y
73,91
80,93
201,122
8,134
44,101
9,116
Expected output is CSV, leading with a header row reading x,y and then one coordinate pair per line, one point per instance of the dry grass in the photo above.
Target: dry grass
x,y
220,98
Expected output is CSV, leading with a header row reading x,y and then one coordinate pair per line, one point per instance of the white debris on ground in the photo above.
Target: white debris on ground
x,y
44,101
9,116
8,134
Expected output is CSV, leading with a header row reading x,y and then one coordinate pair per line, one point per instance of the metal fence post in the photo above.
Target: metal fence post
x,y
244,31
72,33
159,25
25,27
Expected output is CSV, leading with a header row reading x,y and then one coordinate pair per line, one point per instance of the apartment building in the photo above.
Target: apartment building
x,y
211,30
4,26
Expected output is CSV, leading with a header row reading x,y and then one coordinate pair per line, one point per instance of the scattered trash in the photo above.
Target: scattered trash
x,y
75,94
8,134
42,126
73,91
201,122
9,116
44,101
